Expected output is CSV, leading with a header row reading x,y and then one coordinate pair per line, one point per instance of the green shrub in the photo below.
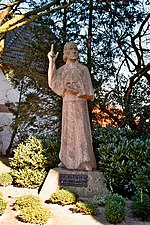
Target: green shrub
x,y
114,209
121,155
5,179
141,207
100,198
142,181
63,197
28,177
32,160
87,208
36,215
26,201
28,164
52,152
1,194
3,205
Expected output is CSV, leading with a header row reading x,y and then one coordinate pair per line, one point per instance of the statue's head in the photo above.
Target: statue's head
x,y
69,46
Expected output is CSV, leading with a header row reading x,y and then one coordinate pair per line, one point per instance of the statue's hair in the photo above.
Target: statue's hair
x,y
66,49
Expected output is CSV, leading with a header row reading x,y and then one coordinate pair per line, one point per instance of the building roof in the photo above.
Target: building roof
x,y
15,44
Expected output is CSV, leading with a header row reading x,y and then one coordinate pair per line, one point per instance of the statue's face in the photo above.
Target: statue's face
x,y
72,52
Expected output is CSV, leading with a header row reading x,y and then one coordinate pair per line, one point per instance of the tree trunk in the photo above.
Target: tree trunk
x,y
89,59
64,24
8,152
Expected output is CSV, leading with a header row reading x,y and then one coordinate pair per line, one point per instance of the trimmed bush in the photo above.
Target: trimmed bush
x,y
28,177
31,209
87,208
31,162
114,209
36,215
27,201
63,197
5,179
3,205
28,164
141,207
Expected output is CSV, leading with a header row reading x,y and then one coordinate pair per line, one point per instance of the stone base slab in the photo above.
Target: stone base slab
x,y
84,183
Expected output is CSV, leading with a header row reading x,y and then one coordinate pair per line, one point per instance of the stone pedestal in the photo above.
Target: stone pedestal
x,y
84,183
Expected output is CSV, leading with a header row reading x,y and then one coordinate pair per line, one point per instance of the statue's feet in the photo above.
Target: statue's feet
x,y
88,168
85,166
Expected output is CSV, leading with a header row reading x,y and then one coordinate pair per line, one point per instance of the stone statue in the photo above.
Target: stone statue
x,y
73,82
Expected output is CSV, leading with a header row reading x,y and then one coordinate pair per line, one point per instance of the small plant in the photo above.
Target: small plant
x,y
142,181
3,205
87,208
26,201
31,209
63,197
141,207
100,198
114,209
5,179
37,214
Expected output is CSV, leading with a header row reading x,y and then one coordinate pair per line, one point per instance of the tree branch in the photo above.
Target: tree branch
x,y
141,27
133,81
12,23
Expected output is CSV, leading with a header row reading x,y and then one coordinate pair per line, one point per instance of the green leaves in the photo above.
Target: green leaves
x,y
3,205
31,209
121,157
36,215
88,208
141,208
115,209
31,162
5,179
63,197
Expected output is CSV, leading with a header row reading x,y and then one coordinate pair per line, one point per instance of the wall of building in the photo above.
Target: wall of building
x,y
7,94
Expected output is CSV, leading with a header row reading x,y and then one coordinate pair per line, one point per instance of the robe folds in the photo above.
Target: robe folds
x,y
74,84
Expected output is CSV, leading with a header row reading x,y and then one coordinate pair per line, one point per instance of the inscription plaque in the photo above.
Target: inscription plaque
x,y
79,180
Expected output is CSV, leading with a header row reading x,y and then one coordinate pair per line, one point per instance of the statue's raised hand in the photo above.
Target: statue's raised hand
x,y
51,55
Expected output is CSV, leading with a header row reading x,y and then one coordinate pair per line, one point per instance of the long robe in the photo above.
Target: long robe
x,y
75,86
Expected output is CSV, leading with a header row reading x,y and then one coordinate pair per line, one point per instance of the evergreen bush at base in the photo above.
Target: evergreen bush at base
x,y
29,164
63,197
26,201
32,160
86,208
37,214
100,198
114,209
141,207
31,209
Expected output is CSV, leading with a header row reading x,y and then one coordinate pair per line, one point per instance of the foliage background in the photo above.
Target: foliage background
x,y
113,42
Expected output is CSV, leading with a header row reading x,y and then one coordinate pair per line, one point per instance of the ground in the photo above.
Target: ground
x,y
61,214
